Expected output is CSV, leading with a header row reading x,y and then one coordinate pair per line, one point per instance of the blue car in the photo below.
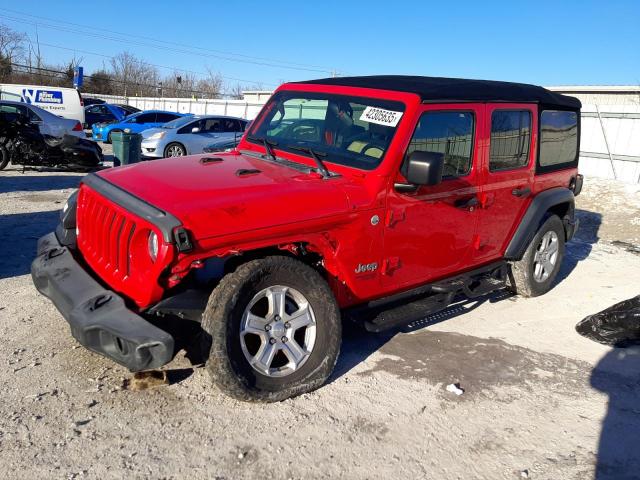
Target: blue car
x,y
104,113
135,123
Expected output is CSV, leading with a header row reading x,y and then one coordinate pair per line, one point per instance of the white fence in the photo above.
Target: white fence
x,y
235,108
609,142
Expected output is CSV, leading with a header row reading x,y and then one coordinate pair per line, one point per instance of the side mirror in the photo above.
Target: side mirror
x,y
195,130
422,168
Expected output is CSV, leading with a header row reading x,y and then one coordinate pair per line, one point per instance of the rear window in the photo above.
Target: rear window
x,y
558,140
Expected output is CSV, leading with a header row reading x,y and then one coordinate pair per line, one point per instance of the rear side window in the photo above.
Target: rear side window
x,y
165,117
145,118
510,139
230,125
450,133
558,140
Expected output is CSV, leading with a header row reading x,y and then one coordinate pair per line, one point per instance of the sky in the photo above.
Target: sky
x,y
263,44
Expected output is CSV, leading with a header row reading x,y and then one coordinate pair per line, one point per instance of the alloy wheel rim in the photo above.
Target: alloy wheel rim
x,y
545,257
277,331
175,151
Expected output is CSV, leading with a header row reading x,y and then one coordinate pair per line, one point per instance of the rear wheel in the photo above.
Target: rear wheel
x,y
174,150
273,330
535,273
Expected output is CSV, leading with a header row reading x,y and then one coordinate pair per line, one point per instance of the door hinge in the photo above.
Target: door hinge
x,y
394,216
390,265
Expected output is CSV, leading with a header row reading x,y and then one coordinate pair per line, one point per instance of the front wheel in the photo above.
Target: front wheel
x,y
109,139
273,330
534,274
174,150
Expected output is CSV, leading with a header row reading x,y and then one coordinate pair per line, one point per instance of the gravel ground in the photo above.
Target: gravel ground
x,y
540,401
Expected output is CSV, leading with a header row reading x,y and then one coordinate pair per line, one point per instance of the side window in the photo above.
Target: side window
x,y
33,116
9,109
510,139
213,125
558,139
165,117
450,133
230,125
94,109
145,118
190,126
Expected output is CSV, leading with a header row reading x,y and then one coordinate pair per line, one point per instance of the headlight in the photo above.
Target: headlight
x,y
68,214
156,136
153,246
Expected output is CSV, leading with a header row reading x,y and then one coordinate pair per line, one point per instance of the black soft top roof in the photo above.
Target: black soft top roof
x,y
440,89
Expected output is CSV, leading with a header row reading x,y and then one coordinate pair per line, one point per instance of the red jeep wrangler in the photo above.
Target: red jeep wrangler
x,y
385,198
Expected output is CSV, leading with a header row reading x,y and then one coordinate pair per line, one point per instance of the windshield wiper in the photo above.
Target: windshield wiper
x,y
268,144
315,155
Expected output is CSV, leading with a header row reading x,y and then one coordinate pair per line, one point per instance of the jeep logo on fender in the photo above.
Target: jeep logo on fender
x,y
366,267
41,96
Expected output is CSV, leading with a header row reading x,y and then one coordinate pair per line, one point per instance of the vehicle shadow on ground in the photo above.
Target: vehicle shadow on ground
x,y
579,248
617,375
21,232
358,344
42,183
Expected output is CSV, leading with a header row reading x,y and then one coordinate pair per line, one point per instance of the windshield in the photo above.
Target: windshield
x,y
178,122
352,131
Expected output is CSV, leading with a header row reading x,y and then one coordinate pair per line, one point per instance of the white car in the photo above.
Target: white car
x,y
48,123
190,135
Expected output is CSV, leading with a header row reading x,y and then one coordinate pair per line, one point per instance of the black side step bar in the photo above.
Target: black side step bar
x,y
402,309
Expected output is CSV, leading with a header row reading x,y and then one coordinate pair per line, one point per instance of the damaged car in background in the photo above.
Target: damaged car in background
x,y
22,143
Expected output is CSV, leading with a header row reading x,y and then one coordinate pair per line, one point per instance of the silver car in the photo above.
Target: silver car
x,y
189,135
47,122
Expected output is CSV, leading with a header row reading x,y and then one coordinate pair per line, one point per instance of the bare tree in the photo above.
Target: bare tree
x,y
134,76
180,84
211,85
12,44
12,49
235,92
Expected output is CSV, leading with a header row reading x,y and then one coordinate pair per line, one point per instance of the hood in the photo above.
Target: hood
x,y
216,198
150,131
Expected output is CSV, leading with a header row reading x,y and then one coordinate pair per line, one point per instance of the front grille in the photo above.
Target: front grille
x,y
104,235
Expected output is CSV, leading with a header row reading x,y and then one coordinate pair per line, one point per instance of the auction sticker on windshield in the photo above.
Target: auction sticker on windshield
x,y
381,116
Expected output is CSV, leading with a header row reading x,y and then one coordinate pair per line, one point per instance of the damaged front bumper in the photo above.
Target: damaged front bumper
x,y
99,318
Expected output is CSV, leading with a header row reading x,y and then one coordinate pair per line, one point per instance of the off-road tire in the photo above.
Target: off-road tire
x,y
521,277
4,157
229,368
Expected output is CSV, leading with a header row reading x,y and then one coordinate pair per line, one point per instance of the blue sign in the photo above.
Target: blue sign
x,y
42,96
78,77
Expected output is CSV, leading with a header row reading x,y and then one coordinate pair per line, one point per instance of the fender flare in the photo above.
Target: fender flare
x,y
534,216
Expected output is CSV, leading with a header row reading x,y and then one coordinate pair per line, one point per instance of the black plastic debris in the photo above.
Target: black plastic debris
x,y
617,326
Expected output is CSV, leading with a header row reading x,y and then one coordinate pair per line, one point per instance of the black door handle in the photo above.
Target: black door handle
x,y
465,203
521,192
